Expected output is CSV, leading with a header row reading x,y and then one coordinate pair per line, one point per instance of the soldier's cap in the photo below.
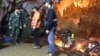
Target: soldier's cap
x,y
18,7
36,7
48,1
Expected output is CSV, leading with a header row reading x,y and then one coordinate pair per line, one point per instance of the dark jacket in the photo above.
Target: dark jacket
x,y
23,16
50,19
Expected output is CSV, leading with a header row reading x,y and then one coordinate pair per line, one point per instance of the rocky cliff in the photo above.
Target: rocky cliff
x,y
82,17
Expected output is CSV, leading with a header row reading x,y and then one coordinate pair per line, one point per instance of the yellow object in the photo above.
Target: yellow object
x,y
72,35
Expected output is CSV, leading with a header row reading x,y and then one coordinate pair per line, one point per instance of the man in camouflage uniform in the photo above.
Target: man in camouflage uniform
x,y
15,25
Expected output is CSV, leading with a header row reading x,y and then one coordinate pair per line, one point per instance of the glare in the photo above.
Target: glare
x,y
64,4
80,48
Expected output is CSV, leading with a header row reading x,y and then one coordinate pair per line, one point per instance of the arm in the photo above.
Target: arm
x,y
10,21
49,19
22,19
20,22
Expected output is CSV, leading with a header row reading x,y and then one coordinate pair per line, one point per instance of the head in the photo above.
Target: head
x,y
35,8
18,10
48,3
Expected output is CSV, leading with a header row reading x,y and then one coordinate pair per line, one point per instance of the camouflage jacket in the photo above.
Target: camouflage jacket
x,y
14,20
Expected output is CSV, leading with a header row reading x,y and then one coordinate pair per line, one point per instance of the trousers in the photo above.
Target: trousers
x,y
51,46
36,35
14,34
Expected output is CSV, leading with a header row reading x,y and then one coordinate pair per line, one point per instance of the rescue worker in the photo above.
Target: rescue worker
x,y
35,25
15,25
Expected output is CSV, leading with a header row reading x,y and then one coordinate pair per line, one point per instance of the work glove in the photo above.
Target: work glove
x,y
20,27
33,29
24,25
10,27
47,31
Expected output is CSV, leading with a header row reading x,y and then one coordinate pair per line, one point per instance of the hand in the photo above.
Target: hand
x,y
20,27
33,29
24,25
10,27
47,31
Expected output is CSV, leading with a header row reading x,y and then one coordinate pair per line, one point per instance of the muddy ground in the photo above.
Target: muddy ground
x,y
24,49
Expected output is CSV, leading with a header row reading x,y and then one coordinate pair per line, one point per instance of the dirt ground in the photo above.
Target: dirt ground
x,y
24,49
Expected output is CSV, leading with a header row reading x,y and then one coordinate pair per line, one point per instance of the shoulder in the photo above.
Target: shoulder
x,y
12,14
50,10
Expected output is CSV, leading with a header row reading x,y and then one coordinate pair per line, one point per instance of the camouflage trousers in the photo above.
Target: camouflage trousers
x,y
14,34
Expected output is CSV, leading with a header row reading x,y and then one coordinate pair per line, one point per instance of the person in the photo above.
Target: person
x,y
15,25
35,25
50,27
23,16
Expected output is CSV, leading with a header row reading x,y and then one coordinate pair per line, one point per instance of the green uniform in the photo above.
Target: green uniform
x,y
15,23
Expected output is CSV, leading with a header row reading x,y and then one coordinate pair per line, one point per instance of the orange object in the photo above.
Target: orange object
x,y
35,23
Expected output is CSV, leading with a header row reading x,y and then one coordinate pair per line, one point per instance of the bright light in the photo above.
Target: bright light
x,y
80,48
81,3
60,43
64,4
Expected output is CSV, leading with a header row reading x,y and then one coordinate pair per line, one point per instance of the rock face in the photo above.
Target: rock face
x,y
82,17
